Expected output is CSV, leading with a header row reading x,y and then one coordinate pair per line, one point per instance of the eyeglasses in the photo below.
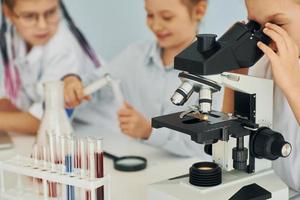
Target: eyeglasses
x,y
31,19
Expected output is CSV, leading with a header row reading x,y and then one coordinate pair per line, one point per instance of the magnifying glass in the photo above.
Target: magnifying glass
x,y
127,163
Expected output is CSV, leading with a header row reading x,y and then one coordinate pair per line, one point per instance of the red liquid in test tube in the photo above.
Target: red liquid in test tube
x,y
52,186
99,167
99,174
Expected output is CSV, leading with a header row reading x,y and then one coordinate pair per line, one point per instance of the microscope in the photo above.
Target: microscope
x,y
242,143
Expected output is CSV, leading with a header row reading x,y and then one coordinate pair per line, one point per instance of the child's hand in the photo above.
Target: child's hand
x,y
284,59
133,124
73,92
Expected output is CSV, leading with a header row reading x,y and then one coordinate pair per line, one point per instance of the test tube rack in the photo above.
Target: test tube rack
x,y
23,166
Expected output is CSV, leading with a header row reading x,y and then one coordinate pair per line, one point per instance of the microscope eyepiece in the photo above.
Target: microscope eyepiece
x,y
253,26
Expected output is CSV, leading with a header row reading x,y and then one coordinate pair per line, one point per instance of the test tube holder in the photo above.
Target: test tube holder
x,y
23,166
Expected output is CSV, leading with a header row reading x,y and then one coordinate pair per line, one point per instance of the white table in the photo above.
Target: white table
x,y
124,185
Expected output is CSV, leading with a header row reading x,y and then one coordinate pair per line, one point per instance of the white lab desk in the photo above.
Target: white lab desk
x,y
124,185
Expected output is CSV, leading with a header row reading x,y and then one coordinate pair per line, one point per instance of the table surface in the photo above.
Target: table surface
x,y
124,185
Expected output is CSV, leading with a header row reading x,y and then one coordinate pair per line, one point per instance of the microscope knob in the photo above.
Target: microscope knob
x,y
206,42
282,148
240,157
269,144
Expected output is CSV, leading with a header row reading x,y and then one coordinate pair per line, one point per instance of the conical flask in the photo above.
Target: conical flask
x,y
55,119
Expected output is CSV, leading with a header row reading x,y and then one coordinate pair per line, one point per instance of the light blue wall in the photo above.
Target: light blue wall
x,y
221,14
110,25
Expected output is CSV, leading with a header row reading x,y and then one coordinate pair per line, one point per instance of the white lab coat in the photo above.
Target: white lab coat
x,y
284,122
50,62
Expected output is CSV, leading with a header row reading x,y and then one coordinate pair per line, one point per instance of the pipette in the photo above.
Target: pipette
x,y
97,85
103,82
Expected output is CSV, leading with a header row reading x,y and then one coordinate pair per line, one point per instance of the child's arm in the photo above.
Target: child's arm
x,y
285,65
17,121
13,119
6,105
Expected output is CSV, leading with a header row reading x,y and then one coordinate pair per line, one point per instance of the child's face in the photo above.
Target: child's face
x,y
172,22
35,20
284,13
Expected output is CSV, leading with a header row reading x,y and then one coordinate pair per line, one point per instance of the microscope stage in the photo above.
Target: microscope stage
x,y
202,131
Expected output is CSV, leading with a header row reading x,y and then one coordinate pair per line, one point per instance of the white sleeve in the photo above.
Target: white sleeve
x,y
55,65
36,109
94,73
92,77
260,69
119,68
54,71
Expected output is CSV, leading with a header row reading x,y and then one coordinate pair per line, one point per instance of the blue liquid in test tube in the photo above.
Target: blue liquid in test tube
x,y
70,168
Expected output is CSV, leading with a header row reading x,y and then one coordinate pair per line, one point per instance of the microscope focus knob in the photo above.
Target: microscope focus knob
x,y
269,144
206,42
240,157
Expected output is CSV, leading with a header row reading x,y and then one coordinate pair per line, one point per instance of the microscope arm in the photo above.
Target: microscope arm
x,y
261,88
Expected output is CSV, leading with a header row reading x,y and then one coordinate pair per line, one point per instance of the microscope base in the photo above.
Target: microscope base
x,y
181,189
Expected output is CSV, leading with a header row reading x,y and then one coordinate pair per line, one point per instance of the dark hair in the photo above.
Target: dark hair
x,y
12,82
80,37
10,3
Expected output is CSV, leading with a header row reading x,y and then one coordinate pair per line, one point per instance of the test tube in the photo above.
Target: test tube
x,y
52,149
83,157
45,158
77,166
63,170
52,186
63,153
71,156
69,161
82,148
77,160
39,161
99,166
91,195
92,163
35,156
59,159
